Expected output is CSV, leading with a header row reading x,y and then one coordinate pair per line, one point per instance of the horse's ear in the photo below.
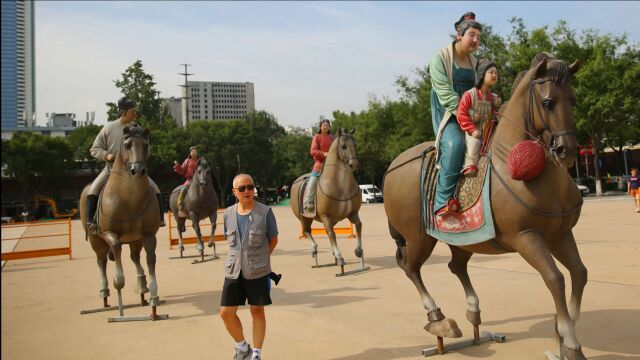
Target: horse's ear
x,y
541,69
573,68
146,132
126,130
353,130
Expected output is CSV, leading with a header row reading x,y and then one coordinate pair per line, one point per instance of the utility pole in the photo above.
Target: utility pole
x,y
185,96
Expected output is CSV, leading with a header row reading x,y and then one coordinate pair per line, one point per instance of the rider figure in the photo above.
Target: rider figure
x,y
187,169
105,147
452,72
477,107
320,145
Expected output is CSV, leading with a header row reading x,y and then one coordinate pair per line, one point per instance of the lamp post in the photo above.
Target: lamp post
x,y
624,156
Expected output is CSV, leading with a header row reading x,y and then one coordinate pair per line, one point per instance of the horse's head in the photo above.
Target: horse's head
x,y
347,148
135,150
202,176
549,109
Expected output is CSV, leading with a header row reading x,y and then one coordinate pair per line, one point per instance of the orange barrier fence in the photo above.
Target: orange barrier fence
x,y
12,230
346,230
189,236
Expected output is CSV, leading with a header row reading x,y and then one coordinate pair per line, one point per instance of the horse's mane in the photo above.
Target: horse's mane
x,y
557,70
135,130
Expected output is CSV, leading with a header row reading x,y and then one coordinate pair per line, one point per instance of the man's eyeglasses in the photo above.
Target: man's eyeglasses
x,y
242,188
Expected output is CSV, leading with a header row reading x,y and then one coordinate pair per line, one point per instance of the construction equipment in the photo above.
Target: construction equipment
x,y
54,208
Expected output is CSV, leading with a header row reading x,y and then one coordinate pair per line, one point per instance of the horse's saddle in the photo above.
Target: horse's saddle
x,y
474,222
301,196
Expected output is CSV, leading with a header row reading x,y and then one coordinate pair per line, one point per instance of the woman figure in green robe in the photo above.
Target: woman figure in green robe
x,y
452,72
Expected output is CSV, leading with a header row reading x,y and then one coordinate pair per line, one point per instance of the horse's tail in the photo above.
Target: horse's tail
x,y
401,244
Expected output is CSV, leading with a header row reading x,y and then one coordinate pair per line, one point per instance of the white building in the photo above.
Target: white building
x,y
214,100
175,108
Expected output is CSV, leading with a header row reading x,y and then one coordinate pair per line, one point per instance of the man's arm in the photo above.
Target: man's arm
x,y
99,147
440,82
272,244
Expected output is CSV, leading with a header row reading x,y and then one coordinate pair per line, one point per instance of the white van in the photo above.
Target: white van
x,y
371,193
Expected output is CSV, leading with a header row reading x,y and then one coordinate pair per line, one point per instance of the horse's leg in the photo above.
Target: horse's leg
x,y
532,248
150,248
355,219
118,280
212,238
195,221
101,249
306,229
566,251
180,222
418,251
458,266
328,226
141,285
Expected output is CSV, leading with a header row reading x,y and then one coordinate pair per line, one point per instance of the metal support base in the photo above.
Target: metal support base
x,y
213,257
485,337
362,268
316,266
109,308
552,356
152,317
190,257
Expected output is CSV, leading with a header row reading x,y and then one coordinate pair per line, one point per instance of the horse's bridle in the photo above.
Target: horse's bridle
x,y
528,115
130,167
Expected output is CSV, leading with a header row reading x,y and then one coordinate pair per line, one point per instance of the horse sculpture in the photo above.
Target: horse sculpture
x,y
534,218
128,214
338,197
200,201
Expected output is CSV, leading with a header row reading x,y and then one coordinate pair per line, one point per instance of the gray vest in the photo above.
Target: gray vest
x,y
251,253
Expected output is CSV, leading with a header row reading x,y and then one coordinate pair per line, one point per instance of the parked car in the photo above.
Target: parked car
x,y
583,190
371,194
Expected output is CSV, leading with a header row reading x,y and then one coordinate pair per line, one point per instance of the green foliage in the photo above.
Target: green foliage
x,y
139,86
81,141
35,160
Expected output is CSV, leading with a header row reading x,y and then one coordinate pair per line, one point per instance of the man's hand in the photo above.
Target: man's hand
x,y
497,102
325,154
476,134
110,157
476,117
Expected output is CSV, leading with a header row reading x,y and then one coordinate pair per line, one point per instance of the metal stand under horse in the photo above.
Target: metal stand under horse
x,y
189,240
478,339
121,307
342,272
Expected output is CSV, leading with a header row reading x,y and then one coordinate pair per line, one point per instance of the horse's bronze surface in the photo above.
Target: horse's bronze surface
x,y
128,214
200,201
338,195
534,218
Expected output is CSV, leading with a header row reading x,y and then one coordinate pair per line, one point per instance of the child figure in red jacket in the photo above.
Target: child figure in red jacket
x,y
477,106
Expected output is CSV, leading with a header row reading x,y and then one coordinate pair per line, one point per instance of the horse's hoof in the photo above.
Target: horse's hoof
x,y
359,252
200,247
104,293
573,354
340,261
474,317
181,248
444,328
210,243
118,282
154,301
314,252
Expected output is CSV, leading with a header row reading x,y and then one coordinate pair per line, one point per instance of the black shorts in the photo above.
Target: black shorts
x,y
235,292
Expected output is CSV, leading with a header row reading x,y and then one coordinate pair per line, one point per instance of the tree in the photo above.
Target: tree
x,y
35,160
291,158
139,86
81,141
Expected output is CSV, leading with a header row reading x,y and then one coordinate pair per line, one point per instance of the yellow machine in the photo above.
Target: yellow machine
x,y
54,207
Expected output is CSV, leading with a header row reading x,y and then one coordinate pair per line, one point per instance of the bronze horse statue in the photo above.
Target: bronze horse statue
x,y
127,214
534,218
338,197
200,201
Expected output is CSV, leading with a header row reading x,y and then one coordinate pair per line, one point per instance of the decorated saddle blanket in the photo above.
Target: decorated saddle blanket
x,y
474,223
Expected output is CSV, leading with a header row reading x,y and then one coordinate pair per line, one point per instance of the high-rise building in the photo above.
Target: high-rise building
x,y
18,63
175,108
213,100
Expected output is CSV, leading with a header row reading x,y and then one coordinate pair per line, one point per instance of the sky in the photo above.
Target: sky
x,y
306,59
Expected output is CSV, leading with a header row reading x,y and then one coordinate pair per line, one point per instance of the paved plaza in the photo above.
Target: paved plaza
x,y
316,315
